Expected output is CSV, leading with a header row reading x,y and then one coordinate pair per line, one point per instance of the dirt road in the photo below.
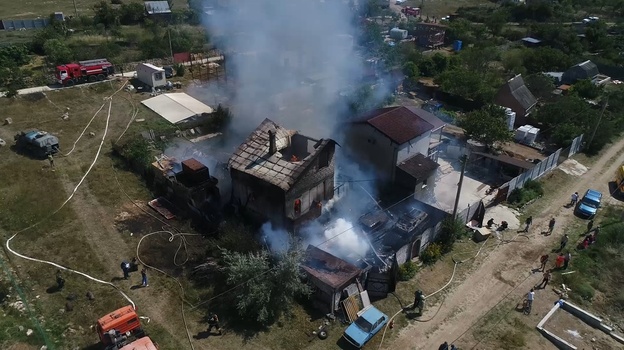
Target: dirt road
x,y
506,270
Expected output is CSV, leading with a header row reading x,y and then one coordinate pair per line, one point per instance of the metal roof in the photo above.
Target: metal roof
x,y
282,168
418,166
328,268
508,160
531,40
176,107
400,124
157,7
521,93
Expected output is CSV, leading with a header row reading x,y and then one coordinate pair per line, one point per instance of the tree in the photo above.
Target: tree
x,y
449,231
410,69
469,84
269,296
540,85
105,14
14,54
567,118
586,89
546,59
496,21
57,51
132,13
487,125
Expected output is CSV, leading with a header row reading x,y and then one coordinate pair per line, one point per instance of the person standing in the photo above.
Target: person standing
x,y
144,277
566,260
528,222
596,231
543,261
574,199
51,160
560,260
418,300
545,280
444,346
60,281
590,225
530,298
564,241
551,226
125,267
213,322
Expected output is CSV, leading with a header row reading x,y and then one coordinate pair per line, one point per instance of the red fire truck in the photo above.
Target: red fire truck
x,y
411,11
84,71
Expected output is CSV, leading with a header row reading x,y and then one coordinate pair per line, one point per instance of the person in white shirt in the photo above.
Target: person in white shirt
x,y
530,298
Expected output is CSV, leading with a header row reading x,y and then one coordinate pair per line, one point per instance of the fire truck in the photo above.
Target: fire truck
x,y
411,11
121,330
84,71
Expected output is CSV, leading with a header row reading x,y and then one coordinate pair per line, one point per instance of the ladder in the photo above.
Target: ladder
x,y
93,62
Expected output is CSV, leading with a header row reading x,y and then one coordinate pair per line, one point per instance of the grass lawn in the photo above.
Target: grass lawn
x,y
441,8
30,9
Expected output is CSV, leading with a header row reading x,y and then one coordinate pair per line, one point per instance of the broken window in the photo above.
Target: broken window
x,y
297,206
323,160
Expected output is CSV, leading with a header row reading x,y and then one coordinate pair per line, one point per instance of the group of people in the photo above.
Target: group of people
x,y
126,267
503,225
446,346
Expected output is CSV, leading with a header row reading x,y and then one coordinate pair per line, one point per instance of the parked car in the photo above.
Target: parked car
x,y
588,206
365,327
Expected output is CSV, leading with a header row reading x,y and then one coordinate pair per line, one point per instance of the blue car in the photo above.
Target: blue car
x,y
588,206
365,327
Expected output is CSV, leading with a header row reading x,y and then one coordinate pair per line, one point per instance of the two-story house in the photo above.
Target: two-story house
x,y
400,143
282,176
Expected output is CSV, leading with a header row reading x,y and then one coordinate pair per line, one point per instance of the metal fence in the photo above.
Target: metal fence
x,y
23,24
467,213
544,166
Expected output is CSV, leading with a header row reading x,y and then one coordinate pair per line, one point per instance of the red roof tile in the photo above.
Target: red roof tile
x,y
400,124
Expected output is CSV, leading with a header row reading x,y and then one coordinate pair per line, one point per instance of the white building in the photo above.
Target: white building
x,y
151,75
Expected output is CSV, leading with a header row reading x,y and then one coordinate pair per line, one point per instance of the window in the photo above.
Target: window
x,y
323,160
297,206
158,76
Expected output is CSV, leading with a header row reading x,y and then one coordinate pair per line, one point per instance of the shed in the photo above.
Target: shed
x,y
151,75
531,42
580,71
157,7
330,275
177,107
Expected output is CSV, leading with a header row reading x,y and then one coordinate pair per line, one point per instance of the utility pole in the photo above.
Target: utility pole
x,y
75,10
604,106
170,47
463,160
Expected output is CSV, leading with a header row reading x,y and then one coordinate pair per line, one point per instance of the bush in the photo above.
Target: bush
x,y
432,254
530,191
180,70
450,230
407,271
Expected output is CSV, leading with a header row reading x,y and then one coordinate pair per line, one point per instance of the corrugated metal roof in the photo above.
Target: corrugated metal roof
x,y
531,40
176,107
401,124
157,7
521,93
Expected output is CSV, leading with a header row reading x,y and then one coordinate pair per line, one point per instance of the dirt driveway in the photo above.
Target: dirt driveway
x,y
505,272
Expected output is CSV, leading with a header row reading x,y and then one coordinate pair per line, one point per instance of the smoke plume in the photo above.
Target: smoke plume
x,y
289,60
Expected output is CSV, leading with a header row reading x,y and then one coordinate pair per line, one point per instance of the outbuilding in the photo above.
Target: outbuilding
x,y
151,75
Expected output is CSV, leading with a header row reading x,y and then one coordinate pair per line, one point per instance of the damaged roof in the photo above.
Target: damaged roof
x,y
418,166
521,93
402,124
328,268
253,157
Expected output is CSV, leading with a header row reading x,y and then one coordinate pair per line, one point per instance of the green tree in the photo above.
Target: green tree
x,y
469,84
410,69
57,51
546,59
540,85
105,14
132,13
450,230
267,297
586,89
567,118
496,21
12,79
14,54
487,125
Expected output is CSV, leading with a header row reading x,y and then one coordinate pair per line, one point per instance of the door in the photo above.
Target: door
x,y
416,249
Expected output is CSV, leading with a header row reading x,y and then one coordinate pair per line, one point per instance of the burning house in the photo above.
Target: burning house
x,y
282,176
333,278
188,186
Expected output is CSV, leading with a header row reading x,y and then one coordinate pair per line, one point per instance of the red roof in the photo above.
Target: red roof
x,y
400,124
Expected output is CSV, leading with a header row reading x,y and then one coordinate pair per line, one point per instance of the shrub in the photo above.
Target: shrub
x,y
407,271
180,70
530,190
450,230
431,254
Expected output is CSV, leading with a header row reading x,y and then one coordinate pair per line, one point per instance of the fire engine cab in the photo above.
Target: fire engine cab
x,y
84,71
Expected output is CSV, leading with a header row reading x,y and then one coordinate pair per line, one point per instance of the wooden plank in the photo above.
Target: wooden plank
x,y
351,308
158,205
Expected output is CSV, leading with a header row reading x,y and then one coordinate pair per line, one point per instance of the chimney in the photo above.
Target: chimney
x,y
272,144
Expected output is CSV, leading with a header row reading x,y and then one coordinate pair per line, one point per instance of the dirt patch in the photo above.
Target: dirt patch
x,y
572,167
578,333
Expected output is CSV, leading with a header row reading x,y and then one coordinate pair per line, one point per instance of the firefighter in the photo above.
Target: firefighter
x,y
60,281
418,301
213,322
51,160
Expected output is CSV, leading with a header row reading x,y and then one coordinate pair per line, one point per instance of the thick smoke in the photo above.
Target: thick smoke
x,y
276,240
289,60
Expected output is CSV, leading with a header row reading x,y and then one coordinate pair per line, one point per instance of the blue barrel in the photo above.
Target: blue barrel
x,y
457,45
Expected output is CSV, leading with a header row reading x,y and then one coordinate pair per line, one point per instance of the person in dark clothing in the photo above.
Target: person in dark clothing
x,y
60,281
213,322
551,226
125,267
444,346
545,280
590,225
543,261
490,223
528,222
564,241
566,260
418,299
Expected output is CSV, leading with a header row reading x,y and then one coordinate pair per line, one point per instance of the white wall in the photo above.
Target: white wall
x,y
147,75
417,145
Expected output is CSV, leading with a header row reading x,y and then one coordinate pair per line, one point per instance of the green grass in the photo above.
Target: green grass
x,y
441,8
27,9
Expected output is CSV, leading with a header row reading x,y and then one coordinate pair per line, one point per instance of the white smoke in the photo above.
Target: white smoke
x,y
277,240
343,239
